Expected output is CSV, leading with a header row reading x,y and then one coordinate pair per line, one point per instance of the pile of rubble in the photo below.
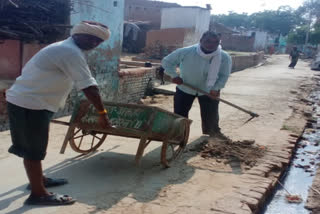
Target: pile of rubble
x,y
246,152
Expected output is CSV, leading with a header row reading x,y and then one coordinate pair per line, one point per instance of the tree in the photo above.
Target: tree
x,y
274,21
310,9
233,19
300,25
298,35
315,34
309,31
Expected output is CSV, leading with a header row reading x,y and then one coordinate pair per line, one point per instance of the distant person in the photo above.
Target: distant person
x,y
294,56
44,84
271,49
161,75
205,66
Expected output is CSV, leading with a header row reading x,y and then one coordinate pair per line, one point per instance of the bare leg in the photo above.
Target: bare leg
x,y
36,178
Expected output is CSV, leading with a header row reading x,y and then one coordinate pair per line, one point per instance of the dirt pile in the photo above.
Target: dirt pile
x,y
243,151
155,100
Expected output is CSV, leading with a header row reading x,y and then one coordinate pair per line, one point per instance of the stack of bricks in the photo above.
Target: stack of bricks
x,y
129,88
134,84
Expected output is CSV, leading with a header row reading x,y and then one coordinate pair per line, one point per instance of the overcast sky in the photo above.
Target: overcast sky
x,y
239,6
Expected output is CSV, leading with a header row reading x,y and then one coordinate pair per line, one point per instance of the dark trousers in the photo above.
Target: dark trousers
x,y
208,107
293,63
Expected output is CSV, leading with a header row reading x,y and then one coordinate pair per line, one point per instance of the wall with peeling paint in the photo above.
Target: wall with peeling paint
x,y
103,60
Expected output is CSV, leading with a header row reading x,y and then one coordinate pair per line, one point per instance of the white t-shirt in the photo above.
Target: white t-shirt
x,y
47,79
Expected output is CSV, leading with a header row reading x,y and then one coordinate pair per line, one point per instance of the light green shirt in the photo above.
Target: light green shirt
x,y
194,69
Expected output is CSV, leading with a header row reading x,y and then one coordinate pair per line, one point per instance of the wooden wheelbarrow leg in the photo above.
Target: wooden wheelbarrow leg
x,y
66,139
163,159
142,145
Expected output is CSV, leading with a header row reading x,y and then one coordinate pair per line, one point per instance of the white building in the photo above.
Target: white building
x,y
195,18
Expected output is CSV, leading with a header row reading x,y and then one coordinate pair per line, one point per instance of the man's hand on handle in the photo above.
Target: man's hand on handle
x,y
93,95
177,80
215,94
104,121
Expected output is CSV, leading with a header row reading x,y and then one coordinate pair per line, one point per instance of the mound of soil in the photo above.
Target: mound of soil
x,y
244,151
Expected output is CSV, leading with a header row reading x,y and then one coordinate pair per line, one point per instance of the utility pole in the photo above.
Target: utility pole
x,y
309,25
308,29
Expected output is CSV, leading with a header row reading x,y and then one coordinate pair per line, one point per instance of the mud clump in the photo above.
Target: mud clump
x,y
153,100
243,151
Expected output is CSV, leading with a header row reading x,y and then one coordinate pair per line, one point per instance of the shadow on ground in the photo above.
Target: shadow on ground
x,y
103,179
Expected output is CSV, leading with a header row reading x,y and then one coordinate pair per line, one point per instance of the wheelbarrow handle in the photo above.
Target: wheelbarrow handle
x,y
60,122
68,124
252,114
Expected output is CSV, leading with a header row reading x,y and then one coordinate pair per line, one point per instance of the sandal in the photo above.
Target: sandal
x,y
53,199
53,182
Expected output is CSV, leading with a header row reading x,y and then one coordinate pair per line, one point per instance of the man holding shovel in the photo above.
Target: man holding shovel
x,y
204,66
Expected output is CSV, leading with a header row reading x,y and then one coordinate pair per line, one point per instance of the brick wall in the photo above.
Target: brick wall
x,y
132,86
14,55
162,42
168,37
246,61
134,83
10,59
237,42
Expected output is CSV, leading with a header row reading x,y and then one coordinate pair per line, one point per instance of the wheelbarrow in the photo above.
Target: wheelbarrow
x,y
146,123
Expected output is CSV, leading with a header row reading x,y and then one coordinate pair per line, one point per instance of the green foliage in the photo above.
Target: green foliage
x,y
285,21
298,36
280,21
233,19
315,35
310,9
274,21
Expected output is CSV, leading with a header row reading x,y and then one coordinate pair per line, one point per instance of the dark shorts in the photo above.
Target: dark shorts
x,y
29,132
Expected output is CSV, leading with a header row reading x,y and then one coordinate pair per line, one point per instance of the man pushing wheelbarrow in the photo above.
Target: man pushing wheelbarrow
x,y
42,88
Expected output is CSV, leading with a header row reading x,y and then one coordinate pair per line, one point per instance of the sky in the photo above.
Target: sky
x,y
239,6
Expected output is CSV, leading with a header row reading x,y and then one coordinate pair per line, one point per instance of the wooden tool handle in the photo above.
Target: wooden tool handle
x,y
222,100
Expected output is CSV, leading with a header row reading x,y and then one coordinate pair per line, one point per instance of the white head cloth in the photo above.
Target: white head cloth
x,y
215,62
91,29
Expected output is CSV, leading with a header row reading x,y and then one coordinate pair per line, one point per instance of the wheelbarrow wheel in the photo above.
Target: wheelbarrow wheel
x,y
84,141
175,150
